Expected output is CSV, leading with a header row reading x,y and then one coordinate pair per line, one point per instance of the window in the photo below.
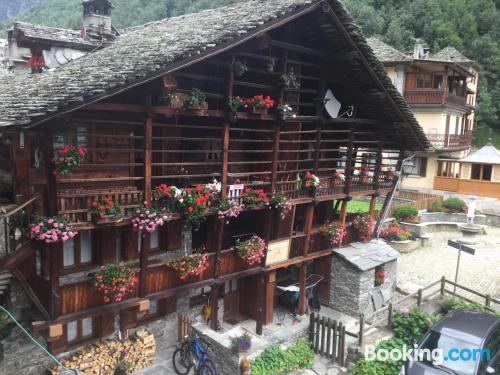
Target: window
x,y
487,170
417,167
475,172
437,83
79,330
424,81
78,251
154,241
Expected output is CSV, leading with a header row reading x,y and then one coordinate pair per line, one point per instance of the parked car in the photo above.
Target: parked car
x,y
459,330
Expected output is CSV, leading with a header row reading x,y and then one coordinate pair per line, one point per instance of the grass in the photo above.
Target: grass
x,y
482,135
361,206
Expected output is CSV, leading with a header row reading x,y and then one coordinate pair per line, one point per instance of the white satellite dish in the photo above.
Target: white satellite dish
x,y
332,104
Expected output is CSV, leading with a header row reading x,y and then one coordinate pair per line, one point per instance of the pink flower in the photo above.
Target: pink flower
x,y
405,311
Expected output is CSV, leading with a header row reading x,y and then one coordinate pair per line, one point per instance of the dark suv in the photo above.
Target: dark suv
x,y
460,335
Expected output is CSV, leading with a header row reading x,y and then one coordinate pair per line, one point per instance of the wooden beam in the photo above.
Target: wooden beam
x,y
343,212
349,162
148,139
143,263
260,303
214,304
29,291
308,227
302,289
269,297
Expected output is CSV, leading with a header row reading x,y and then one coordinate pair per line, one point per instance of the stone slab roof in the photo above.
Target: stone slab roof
x,y
451,54
54,35
366,256
486,155
146,52
3,56
385,52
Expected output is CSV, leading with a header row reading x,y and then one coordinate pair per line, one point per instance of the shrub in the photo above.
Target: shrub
x,y
454,205
436,207
409,325
389,367
451,303
402,212
275,360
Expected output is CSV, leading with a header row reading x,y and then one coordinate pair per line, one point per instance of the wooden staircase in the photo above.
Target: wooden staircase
x,y
5,279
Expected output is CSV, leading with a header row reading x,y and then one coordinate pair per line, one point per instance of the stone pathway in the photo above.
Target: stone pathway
x,y
479,272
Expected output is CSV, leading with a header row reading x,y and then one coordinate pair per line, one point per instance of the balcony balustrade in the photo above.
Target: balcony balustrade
x,y
450,141
430,97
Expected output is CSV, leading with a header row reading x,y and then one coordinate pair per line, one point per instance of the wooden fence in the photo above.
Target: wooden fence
x,y
420,295
420,201
183,326
327,337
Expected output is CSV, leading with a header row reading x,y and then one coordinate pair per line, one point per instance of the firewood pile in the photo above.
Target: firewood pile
x,y
101,358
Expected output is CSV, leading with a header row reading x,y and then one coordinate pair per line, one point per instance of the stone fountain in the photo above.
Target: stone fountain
x,y
470,230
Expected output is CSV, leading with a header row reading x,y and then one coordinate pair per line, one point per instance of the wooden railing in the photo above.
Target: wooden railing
x,y
417,299
329,186
420,201
361,183
450,141
468,187
16,227
75,205
327,337
455,99
424,96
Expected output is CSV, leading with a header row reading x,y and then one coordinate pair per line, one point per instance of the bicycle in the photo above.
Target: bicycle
x,y
192,354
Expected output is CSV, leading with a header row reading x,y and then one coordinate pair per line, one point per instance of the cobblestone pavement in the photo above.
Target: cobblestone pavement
x,y
479,272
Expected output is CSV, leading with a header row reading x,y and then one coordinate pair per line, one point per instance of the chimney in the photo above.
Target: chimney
x,y
97,19
420,51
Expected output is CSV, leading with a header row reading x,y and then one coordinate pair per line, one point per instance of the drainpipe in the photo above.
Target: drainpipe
x,y
399,176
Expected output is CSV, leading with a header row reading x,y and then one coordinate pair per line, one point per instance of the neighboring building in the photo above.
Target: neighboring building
x,y
475,174
441,90
3,56
121,102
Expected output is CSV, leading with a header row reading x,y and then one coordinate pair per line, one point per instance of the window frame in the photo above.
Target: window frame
x,y
78,265
79,332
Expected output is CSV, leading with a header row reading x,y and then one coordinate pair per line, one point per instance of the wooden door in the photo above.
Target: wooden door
x,y
231,299
411,81
322,267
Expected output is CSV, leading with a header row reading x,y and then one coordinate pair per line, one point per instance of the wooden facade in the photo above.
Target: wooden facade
x,y
136,143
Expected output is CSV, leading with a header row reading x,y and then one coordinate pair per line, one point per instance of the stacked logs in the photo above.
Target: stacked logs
x,y
101,358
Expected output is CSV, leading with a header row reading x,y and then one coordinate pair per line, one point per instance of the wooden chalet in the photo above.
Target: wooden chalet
x,y
110,101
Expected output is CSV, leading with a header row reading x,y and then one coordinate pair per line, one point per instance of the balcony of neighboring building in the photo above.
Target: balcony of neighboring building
x,y
450,141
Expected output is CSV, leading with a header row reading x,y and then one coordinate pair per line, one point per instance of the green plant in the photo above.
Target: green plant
x,y
409,325
114,280
190,265
238,67
234,103
452,303
195,98
454,205
290,80
405,211
375,367
436,206
275,360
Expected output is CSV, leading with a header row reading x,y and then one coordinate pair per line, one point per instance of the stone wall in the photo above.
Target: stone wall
x,y
353,291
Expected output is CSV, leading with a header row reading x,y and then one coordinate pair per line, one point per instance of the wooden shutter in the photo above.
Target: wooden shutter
x,y
423,166
130,238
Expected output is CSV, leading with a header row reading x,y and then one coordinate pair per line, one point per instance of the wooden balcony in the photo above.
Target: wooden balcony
x,y
433,97
450,141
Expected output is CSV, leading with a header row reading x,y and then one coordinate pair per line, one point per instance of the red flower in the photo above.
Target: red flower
x,y
94,204
198,188
190,209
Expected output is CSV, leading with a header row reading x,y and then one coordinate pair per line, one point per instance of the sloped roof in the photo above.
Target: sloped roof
x,y
451,54
71,38
385,52
366,256
148,51
486,155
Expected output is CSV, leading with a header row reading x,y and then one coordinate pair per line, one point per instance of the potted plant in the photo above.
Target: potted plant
x,y
242,343
234,104
290,80
196,101
114,280
123,367
105,211
229,209
146,219
254,198
364,173
51,229
338,178
245,366
363,223
281,203
190,265
334,232
311,182
252,250
68,158
260,104
380,277
285,111
238,67
193,203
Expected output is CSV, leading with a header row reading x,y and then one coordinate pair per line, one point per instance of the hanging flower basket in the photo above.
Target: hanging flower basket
x,y
190,265
333,232
105,211
68,158
193,203
51,229
229,210
282,204
254,198
252,250
114,280
145,220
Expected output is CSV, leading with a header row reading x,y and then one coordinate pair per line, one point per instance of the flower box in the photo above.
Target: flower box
x,y
107,219
259,111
